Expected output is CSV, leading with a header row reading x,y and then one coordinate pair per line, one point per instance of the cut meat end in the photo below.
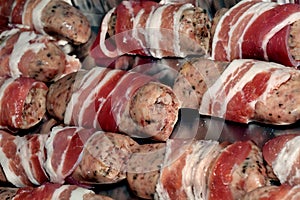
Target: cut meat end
x,y
22,103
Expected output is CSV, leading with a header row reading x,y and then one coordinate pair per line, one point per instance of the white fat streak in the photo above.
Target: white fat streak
x,y
137,30
289,20
93,94
176,26
195,169
220,25
154,31
103,32
25,155
256,9
286,159
11,11
37,16
76,194
5,163
3,88
55,176
23,45
84,82
5,35
258,67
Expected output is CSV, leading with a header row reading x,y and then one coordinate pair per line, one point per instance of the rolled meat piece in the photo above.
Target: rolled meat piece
x,y
282,192
236,34
245,90
26,53
151,29
50,191
206,169
282,153
22,102
55,17
115,101
65,155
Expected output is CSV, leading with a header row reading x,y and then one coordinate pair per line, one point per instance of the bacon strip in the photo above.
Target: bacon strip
x,y
21,162
236,34
22,102
64,149
284,150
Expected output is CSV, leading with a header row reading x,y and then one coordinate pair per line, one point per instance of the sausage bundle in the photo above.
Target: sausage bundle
x,y
258,30
151,29
57,18
243,90
22,102
115,101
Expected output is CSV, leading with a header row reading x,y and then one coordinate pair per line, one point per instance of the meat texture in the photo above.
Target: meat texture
x,y
29,54
55,17
284,151
115,101
151,29
22,102
243,90
236,34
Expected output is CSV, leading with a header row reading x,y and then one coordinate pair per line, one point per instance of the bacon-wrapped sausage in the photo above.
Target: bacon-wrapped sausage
x,y
259,30
282,153
55,17
243,90
22,102
196,169
115,101
152,29
67,154
50,191
26,53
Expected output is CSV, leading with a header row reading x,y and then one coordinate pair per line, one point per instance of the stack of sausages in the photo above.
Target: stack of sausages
x,y
70,123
